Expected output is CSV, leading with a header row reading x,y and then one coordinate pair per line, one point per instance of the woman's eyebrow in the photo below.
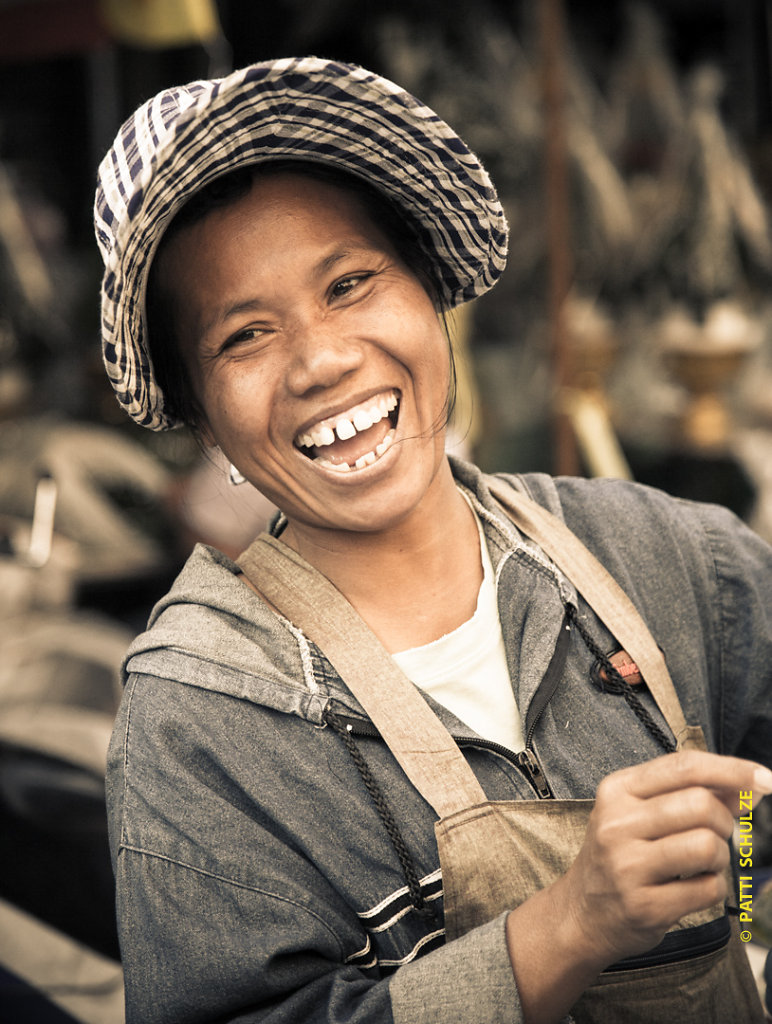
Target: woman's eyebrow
x,y
343,252
221,316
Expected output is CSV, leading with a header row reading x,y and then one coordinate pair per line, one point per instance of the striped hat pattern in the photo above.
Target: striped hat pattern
x,y
301,108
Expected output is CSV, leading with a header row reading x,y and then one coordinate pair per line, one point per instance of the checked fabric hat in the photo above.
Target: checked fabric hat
x,y
297,108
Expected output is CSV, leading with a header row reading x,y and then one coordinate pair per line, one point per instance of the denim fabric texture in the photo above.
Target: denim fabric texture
x,y
255,878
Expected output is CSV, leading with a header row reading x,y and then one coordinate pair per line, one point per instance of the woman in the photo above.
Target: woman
x,y
297,230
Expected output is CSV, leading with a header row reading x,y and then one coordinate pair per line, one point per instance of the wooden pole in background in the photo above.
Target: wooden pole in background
x,y
559,257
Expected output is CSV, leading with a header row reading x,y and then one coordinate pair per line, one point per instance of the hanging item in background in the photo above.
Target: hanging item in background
x,y
161,23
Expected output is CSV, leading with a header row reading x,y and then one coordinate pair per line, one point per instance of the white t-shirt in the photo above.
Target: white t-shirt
x,y
466,670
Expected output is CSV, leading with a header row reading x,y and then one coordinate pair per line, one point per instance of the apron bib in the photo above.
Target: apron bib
x,y
496,854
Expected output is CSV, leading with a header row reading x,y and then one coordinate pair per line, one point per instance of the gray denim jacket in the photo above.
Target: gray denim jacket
x,y
256,877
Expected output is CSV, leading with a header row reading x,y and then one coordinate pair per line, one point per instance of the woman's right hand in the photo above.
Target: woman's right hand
x,y
655,849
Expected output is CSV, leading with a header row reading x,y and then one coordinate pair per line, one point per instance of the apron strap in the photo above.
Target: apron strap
x,y
419,741
601,591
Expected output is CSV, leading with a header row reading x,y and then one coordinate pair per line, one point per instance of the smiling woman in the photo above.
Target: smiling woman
x,y
381,768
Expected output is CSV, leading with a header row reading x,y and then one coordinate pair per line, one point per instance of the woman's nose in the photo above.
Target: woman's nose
x,y
321,356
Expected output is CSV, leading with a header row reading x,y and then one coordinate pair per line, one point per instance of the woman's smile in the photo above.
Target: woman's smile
x,y
355,438
317,356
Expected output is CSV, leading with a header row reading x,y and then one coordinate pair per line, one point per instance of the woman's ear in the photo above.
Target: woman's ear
x,y
206,440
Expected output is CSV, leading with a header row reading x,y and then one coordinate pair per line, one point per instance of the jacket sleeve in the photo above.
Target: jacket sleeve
x,y
742,563
470,979
203,942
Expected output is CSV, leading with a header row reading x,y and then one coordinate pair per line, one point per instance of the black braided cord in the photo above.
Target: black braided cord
x,y
614,683
388,819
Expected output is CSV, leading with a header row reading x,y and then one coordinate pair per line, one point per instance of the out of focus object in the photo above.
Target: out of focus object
x,y
83,523
112,532
161,23
58,942
729,216
705,360
75,983
590,353
589,415
559,242
42,532
17,243
59,956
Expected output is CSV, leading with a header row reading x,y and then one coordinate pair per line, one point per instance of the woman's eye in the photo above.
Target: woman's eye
x,y
346,285
245,336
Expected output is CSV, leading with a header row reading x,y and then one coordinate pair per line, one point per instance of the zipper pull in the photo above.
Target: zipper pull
x,y
529,764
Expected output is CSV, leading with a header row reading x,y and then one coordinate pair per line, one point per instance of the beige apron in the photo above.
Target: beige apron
x,y
495,854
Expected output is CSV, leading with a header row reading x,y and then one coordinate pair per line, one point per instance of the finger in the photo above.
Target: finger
x,y
670,901
686,809
687,855
657,905
727,776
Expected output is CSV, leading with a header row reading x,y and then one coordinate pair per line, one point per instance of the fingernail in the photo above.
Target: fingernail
x,y
762,780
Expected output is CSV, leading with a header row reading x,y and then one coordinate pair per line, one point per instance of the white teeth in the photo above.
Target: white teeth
x,y
364,460
345,429
363,420
348,426
385,443
322,436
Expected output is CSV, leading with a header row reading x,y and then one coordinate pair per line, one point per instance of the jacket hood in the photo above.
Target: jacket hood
x,y
212,631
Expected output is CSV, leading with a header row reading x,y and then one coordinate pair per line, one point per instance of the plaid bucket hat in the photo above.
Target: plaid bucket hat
x,y
297,108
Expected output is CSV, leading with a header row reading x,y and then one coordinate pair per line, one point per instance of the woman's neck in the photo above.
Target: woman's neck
x,y
412,583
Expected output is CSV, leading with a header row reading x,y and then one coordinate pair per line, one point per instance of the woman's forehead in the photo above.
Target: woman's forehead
x,y
282,211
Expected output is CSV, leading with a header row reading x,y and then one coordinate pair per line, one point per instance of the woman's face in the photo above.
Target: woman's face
x,y
316,355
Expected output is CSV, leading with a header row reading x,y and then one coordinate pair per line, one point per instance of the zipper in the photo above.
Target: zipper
x,y
550,682
526,761
679,946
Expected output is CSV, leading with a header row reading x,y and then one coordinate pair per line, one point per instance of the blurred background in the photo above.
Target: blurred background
x,y
631,335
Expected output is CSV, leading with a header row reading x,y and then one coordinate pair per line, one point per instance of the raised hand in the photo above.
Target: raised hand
x,y
655,849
